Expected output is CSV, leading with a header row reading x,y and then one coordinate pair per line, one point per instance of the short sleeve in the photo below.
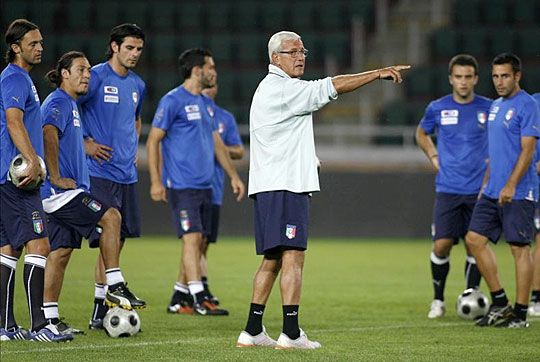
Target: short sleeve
x,y
57,113
14,91
142,93
429,120
164,116
232,136
530,120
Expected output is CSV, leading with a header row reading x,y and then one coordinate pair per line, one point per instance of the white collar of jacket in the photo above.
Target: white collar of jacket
x,y
272,69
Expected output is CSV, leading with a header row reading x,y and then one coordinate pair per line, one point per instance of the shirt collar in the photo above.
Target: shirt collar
x,y
272,69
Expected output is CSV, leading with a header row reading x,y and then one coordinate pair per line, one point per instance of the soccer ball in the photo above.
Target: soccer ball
x,y
17,169
472,304
119,322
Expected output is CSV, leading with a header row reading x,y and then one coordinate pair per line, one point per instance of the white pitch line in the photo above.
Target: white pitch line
x,y
201,340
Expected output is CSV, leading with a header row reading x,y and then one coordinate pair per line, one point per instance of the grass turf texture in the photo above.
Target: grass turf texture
x,y
362,299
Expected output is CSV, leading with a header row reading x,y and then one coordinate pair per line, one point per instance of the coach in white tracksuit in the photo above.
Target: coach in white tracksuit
x,y
282,174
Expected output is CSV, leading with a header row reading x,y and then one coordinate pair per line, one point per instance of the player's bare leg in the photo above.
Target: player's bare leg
x,y
534,306
524,270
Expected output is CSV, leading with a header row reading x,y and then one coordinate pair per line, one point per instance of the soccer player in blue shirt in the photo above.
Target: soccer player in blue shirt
x,y
534,307
507,202
460,160
72,211
112,122
22,219
185,128
228,130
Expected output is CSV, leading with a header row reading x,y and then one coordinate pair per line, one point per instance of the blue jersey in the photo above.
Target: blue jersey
x,y
462,142
536,97
18,91
509,120
109,111
188,146
60,110
228,130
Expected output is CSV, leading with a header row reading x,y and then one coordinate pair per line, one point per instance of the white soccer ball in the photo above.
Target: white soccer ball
x,y
17,169
119,322
472,304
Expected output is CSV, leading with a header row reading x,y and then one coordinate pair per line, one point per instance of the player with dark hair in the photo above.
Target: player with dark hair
x,y
507,202
228,130
460,159
184,126
534,307
72,211
112,125
22,219
283,174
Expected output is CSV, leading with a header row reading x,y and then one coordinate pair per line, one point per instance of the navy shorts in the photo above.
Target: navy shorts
x,y
452,215
21,216
77,219
281,221
122,197
214,223
514,219
190,210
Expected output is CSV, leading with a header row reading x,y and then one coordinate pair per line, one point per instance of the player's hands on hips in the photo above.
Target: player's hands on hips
x,y
158,192
33,172
64,183
393,73
97,151
507,194
238,188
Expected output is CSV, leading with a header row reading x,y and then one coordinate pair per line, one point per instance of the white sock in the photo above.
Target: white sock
x,y
100,291
9,261
114,276
50,309
181,288
195,287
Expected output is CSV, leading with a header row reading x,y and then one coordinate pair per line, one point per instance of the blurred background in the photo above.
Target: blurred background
x,y
376,181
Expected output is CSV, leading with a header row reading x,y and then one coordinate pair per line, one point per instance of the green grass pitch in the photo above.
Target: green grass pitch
x,y
362,299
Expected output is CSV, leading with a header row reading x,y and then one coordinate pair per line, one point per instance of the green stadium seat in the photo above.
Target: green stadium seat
x,y
444,44
217,16
163,48
226,82
136,13
44,15
467,12
163,15
440,79
496,12
250,48
77,15
530,81
97,48
68,42
249,80
274,17
528,42
106,20
525,11
337,45
421,82
396,113
484,86
15,9
501,41
362,9
301,16
246,16
474,42
190,40
221,45
332,16
189,16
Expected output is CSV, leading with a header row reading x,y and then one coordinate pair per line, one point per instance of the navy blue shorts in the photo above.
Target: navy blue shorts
x,y
21,216
214,223
191,210
77,219
452,215
281,221
122,197
514,219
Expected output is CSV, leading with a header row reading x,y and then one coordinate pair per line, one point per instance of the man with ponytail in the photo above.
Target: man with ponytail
x,y
22,219
74,213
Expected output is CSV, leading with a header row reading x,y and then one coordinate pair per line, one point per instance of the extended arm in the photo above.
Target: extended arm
x,y
350,82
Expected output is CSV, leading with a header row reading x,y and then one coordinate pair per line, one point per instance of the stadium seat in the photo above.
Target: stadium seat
x,y
189,16
467,13
530,80
226,81
97,48
68,42
496,12
163,48
106,20
501,41
528,42
362,9
15,9
222,47
136,13
396,113
44,15
525,12
163,15
337,45
190,40
301,15
444,43
484,86
77,15
217,16
246,16
249,79
250,48
331,16
474,42
420,82
274,17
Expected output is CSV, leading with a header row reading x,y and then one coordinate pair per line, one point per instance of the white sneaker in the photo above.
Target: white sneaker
x,y
302,342
262,339
437,309
534,309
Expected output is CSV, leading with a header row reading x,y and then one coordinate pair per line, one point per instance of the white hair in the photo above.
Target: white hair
x,y
275,42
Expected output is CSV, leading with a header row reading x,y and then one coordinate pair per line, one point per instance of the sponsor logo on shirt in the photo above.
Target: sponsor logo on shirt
x,y
290,231
449,117
482,117
110,89
493,113
111,99
135,97
192,112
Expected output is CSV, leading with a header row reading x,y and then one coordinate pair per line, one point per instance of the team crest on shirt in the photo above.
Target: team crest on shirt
x,y
509,114
290,231
185,223
210,110
482,117
37,222
91,204
135,97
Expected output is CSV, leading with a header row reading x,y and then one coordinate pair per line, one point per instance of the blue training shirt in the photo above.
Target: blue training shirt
x,y
462,142
60,110
188,146
536,97
228,130
509,120
109,111
18,91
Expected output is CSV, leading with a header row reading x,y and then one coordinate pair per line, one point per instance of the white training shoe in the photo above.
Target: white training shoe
x,y
437,309
534,309
262,339
302,342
